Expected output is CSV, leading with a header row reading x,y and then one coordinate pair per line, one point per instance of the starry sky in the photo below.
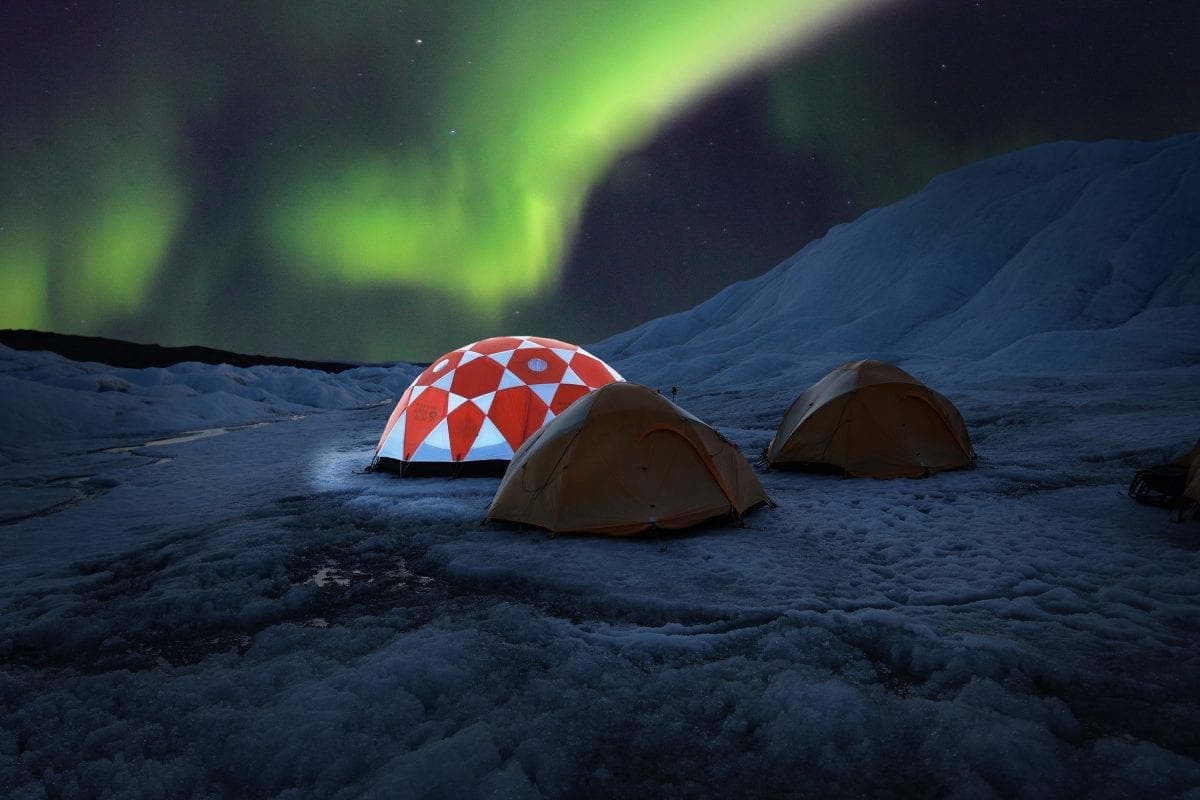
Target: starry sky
x,y
389,180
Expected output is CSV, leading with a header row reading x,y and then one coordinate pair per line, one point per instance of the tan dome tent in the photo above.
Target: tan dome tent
x,y
622,460
1169,485
1191,494
871,419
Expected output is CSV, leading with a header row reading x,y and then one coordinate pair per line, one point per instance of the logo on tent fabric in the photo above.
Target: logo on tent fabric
x,y
482,401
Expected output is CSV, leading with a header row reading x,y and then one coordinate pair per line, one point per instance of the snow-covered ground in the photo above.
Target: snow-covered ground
x,y
203,594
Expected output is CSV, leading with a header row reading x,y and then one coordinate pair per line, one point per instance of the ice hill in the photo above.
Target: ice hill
x,y
1066,255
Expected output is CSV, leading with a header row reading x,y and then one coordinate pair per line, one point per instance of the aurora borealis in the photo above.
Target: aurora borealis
x,y
529,107
382,180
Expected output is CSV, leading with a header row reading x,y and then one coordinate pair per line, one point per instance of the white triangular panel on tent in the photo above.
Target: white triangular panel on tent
x,y
484,401
453,401
393,445
546,391
428,452
500,451
528,345
489,436
565,355
444,381
469,356
509,380
438,437
502,358
571,379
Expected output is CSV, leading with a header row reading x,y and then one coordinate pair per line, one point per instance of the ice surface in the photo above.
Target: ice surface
x,y
203,593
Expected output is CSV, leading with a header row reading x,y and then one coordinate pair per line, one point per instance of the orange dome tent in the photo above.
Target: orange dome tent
x,y
470,410
623,460
871,419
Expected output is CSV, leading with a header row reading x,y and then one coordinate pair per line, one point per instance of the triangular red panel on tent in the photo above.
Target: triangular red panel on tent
x,y
517,412
564,395
423,414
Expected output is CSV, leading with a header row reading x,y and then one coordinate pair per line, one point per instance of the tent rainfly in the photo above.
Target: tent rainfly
x,y
1190,502
1172,484
621,461
470,410
1191,491
871,419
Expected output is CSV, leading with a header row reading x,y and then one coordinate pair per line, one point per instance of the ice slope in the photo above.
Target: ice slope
x,y
203,595
1078,256
47,397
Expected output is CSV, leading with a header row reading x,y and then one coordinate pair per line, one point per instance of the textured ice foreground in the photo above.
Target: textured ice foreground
x,y
244,612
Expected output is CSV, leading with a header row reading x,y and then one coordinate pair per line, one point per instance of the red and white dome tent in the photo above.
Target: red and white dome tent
x,y
470,410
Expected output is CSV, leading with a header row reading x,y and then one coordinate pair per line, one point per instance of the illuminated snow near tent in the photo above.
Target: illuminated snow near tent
x,y
479,403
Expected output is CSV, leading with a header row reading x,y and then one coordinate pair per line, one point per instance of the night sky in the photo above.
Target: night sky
x,y
387,180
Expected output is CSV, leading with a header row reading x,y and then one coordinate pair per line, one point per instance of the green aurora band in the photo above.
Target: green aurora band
x,y
440,151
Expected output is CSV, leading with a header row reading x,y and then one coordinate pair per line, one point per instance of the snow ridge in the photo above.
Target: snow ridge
x,y
999,262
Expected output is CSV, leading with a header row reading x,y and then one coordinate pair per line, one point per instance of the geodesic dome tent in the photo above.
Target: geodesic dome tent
x,y
470,410
621,461
871,419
